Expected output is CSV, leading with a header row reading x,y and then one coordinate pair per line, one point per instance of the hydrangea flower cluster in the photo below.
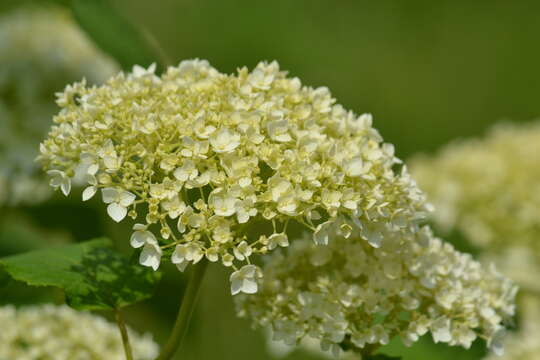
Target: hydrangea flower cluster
x,y
350,295
524,344
489,190
41,50
217,166
49,332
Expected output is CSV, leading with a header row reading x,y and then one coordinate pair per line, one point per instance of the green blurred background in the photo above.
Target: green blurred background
x,y
429,72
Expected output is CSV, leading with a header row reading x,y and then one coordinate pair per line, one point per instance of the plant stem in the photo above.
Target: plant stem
x,y
124,333
186,309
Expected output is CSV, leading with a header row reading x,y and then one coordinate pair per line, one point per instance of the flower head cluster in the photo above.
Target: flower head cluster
x,y
217,166
49,332
349,294
489,190
40,51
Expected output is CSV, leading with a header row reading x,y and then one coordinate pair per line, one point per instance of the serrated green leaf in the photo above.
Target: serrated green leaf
x,y
115,35
92,275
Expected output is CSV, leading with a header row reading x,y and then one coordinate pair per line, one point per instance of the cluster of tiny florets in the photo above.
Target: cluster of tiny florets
x,y
349,295
41,50
489,190
48,332
217,166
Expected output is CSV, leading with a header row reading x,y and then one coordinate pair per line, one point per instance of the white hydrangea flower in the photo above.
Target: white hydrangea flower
x,y
223,204
59,179
50,332
141,236
278,240
41,49
151,255
151,251
119,201
245,280
204,157
224,140
186,253
356,295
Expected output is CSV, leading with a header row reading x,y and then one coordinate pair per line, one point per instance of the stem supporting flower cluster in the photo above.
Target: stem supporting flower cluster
x,y
123,332
186,309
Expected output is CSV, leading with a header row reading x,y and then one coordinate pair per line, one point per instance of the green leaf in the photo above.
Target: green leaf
x,y
115,35
92,275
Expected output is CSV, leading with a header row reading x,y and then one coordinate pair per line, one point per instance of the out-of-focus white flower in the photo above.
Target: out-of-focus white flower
x,y
488,189
41,49
51,332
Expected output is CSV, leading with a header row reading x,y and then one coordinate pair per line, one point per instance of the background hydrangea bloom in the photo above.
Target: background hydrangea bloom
x,y
217,166
489,190
349,295
51,332
41,50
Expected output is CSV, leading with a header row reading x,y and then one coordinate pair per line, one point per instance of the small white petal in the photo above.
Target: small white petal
x,y
66,186
56,177
139,227
321,235
139,238
89,192
91,180
126,198
116,211
236,286
179,254
150,256
109,195
92,169
182,266
249,286
496,342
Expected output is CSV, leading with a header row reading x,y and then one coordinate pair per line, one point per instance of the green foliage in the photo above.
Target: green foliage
x,y
382,357
114,34
92,275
